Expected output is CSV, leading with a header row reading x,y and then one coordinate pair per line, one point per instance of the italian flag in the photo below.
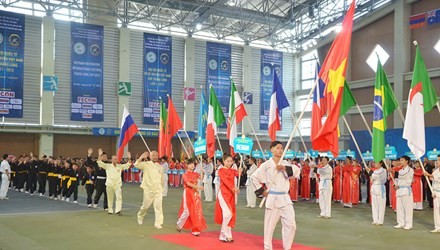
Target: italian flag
x,y
237,112
421,99
215,118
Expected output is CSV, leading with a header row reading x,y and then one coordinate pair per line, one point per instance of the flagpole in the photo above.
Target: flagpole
x,y
354,140
438,107
291,137
363,118
424,171
183,145
256,137
299,132
219,144
144,141
190,142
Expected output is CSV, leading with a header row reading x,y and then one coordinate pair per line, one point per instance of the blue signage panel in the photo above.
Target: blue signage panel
x,y
200,147
157,75
243,145
50,83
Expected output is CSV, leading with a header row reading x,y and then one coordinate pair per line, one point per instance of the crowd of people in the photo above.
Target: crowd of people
x,y
398,184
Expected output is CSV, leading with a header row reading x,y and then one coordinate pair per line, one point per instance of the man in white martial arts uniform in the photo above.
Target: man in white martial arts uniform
x,y
208,168
152,184
165,168
278,203
325,188
5,175
114,182
404,202
378,192
435,177
251,198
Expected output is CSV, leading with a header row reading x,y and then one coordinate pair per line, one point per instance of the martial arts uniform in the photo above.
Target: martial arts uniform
x,y
337,184
72,185
207,181
65,176
52,177
417,188
5,171
325,191
217,181
113,184
355,185
152,184
305,182
42,177
347,185
32,176
101,178
278,203
165,178
436,199
378,194
251,198
404,196
89,182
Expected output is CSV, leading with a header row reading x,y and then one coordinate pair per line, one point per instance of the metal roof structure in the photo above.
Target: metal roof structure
x,y
288,25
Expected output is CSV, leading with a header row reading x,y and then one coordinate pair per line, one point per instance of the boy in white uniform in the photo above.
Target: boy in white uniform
x,y
325,188
278,203
5,175
251,198
405,202
208,168
435,177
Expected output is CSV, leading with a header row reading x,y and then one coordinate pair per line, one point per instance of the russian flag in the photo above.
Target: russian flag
x,y
278,102
128,130
318,108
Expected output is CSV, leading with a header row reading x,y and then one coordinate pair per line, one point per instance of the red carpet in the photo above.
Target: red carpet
x,y
209,241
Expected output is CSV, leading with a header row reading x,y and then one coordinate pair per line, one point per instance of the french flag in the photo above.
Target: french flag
x,y
278,102
128,130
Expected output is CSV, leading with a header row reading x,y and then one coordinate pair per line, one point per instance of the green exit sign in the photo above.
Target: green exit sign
x,y
124,88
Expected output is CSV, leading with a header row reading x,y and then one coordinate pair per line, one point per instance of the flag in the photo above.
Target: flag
x,y
332,74
417,21
237,112
278,101
203,116
173,125
384,104
128,130
162,129
215,118
421,99
348,100
318,108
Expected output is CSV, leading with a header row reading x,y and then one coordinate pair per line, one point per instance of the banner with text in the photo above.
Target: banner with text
x,y
270,61
87,72
11,64
157,75
218,73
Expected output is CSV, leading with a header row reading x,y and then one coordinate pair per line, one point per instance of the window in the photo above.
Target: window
x,y
305,126
302,103
308,69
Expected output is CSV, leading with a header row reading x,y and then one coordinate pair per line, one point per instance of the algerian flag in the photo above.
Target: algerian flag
x,y
215,118
384,104
237,112
421,99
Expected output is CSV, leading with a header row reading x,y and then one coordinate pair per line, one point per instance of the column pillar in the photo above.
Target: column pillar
x,y
402,45
47,98
296,101
189,112
247,87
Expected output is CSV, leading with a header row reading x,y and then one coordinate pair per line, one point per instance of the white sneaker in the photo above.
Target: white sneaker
x,y
407,228
89,206
41,194
26,192
95,205
55,199
67,199
435,231
398,226
140,221
158,226
63,199
75,202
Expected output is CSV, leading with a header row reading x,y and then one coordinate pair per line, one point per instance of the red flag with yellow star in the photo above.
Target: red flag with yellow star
x,y
332,73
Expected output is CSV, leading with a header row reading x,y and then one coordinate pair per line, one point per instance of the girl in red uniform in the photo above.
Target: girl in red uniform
x,y
305,180
225,213
190,214
172,172
417,187
355,182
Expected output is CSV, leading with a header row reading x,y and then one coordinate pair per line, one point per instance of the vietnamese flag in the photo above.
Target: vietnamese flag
x,y
173,125
332,74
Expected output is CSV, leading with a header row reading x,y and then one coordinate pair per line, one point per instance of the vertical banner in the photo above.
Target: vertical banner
x,y
157,75
87,73
11,64
270,60
218,73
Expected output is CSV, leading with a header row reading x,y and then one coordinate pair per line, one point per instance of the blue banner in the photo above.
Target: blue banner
x,y
87,72
290,154
257,154
200,146
433,154
157,75
152,133
218,73
11,64
243,145
368,156
270,60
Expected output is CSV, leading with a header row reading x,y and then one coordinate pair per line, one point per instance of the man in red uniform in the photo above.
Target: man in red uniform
x,y
337,182
347,183
305,180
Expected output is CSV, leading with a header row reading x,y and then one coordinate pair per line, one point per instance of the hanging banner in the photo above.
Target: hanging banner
x,y
368,156
270,60
157,75
200,146
243,145
290,154
433,154
218,73
11,64
87,72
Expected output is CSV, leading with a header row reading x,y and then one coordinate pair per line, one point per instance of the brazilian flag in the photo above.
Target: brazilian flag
x,y
384,104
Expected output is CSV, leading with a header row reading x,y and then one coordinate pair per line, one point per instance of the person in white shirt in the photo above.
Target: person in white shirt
x,y
5,172
165,168
113,182
378,178
217,178
208,168
435,177
251,198
278,203
199,170
404,178
325,188
152,184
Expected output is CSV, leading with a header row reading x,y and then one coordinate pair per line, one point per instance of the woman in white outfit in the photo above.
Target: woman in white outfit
x,y
378,192
217,178
250,190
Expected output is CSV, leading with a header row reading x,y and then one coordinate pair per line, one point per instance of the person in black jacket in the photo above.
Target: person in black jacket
x,y
72,183
42,175
33,166
100,179
89,180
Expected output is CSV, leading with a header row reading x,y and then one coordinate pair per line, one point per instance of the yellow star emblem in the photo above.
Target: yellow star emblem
x,y
336,80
